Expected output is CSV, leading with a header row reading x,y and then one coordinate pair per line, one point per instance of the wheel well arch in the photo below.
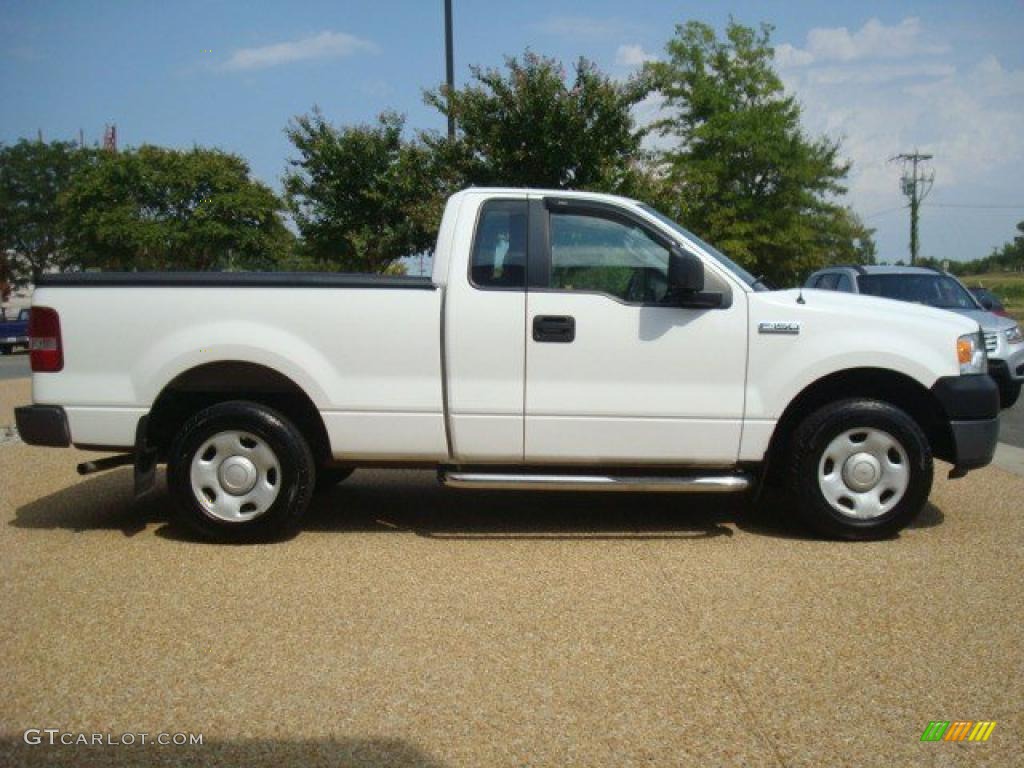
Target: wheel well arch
x,y
882,384
205,385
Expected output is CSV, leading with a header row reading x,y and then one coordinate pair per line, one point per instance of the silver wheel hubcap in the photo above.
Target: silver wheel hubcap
x,y
863,473
235,476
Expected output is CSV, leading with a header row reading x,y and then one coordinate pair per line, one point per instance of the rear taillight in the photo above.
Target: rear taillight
x,y
46,353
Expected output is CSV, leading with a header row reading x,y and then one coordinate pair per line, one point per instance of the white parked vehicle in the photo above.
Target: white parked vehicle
x,y
566,341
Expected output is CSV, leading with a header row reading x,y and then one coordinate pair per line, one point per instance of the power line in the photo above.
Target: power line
x,y
972,205
884,211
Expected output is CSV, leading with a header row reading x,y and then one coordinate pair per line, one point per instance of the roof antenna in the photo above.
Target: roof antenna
x,y
800,296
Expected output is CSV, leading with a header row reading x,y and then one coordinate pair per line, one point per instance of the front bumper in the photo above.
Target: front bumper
x,y
971,403
43,425
1005,361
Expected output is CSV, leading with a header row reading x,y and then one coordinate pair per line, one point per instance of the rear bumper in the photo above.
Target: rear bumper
x,y
971,404
43,425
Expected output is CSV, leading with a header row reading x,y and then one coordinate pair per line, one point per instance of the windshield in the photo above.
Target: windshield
x,y
716,254
937,290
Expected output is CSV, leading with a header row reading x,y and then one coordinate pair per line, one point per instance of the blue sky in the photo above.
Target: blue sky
x,y
882,76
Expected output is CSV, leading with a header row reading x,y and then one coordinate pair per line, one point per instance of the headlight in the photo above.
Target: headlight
x,y
1013,335
970,351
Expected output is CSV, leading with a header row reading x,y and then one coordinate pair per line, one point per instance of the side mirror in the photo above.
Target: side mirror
x,y
685,272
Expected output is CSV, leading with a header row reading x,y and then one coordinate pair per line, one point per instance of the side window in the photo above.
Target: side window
x,y
828,281
499,251
844,283
592,253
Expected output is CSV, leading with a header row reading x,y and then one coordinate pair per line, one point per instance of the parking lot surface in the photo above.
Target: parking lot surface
x,y
412,625
14,366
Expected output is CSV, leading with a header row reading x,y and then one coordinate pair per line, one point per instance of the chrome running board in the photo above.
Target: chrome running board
x,y
540,482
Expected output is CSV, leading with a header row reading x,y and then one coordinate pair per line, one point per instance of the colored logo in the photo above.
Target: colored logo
x,y
958,730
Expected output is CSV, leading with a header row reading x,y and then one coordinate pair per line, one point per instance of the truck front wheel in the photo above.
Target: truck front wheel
x,y
861,469
239,471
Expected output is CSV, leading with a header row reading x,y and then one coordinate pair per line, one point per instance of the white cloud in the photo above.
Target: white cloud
x,y
787,56
632,56
874,40
884,90
326,45
867,73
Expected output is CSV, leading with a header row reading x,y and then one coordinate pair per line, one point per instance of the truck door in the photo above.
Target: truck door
x,y
614,372
485,317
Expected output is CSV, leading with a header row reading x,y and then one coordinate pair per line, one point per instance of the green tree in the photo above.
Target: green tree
x,y
153,208
742,172
844,239
33,174
531,126
362,196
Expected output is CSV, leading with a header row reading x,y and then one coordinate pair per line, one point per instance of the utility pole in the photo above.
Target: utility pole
x,y
915,183
449,65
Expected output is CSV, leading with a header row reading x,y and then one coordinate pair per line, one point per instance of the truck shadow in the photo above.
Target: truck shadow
x,y
412,502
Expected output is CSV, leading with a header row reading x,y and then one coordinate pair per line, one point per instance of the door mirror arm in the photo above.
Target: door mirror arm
x,y
701,300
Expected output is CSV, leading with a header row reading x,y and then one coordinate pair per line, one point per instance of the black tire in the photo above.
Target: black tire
x,y
810,442
328,477
6,350
296,479
1009,391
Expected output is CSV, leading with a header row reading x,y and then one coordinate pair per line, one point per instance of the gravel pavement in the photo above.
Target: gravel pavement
x,y
409,625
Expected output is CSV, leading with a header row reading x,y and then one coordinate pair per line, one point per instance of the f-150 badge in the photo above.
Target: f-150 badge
x,y
787,328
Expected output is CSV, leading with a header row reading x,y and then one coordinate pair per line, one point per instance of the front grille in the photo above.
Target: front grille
x,y
991,342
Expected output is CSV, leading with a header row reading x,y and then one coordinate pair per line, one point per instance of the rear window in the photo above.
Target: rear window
x,y
827,282
939,291
499,250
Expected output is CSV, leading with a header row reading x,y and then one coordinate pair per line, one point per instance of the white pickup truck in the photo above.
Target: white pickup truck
x,y
566,341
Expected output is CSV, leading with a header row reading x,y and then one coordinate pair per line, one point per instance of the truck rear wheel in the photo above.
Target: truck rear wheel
x,y
239,471
861,469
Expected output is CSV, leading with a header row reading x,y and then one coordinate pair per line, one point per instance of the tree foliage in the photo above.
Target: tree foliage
x,y
740,171
362,196
530,125
33,175
153,208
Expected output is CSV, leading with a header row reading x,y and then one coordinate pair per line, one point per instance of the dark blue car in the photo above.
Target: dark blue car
x,y
13,331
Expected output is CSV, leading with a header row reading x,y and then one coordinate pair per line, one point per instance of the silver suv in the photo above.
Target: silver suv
x,y
924,285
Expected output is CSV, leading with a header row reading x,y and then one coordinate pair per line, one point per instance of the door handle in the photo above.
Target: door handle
x,y
560,329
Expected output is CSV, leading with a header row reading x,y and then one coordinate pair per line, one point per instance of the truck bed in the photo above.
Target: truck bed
x,y
365,349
